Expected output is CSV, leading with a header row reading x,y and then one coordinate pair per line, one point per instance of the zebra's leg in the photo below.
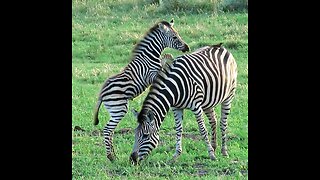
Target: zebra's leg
x,y
225,110
202,128
178,116
213,123
116,114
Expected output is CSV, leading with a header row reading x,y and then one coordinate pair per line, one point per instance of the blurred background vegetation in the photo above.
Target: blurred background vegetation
x,y
199,6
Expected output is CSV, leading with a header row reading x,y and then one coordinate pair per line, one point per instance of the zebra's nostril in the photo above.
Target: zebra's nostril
x,y
186,48
134,157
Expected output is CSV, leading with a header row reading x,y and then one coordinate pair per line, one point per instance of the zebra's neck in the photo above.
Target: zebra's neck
x,y
159,101
146,62
150,48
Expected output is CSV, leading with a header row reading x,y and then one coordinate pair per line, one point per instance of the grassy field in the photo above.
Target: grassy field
x,y
103,36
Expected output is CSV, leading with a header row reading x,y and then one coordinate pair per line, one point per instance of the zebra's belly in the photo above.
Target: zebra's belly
x,y
211,98
210,104
115,100
211,101
217,92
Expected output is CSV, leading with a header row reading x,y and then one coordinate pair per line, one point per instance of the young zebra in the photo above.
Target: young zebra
x,y
136,76
198,81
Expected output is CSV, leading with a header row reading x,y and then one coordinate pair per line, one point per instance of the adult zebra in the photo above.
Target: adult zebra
x,y
198,81
136,76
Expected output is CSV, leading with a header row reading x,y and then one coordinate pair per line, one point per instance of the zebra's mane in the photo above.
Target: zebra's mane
x,y
204,48
207,47
156,26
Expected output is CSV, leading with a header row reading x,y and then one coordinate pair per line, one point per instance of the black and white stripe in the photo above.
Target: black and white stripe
x,y
136,76
198,81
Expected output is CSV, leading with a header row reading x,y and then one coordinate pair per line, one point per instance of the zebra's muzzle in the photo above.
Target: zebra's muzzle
x,y
186,48
133,158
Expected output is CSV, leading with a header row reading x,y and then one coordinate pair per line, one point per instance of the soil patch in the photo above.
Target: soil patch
x,y
201,171
78,128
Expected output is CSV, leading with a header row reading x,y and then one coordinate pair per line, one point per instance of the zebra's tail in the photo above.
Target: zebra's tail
x,y
96,112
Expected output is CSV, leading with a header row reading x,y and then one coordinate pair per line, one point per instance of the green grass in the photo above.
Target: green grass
x,y
103,36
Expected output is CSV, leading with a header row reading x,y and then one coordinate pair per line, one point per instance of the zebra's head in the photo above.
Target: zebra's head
x,y
171,37
146,136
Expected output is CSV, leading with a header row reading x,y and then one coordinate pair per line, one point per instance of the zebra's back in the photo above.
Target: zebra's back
x,y
212,70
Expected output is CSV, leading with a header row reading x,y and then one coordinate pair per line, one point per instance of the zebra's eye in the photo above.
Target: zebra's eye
x,y
174,37
144,136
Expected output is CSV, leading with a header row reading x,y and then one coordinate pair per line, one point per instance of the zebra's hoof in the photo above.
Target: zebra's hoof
x,y
224,153
212,157
111,157
173,160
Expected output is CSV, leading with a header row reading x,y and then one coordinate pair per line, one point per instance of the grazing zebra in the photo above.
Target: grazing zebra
x,y
136,76
198,81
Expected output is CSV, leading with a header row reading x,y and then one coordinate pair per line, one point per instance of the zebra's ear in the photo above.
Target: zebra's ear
x,y
172,22
163,28
135,113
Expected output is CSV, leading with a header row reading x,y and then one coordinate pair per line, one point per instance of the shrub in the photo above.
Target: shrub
x,y
198,6
234,5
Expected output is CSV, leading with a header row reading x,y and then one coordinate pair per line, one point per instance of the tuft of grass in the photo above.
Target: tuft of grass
x,y
103,36
197,6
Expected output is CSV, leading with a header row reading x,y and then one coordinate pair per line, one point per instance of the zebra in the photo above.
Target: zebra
x,y
198,81
136,76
